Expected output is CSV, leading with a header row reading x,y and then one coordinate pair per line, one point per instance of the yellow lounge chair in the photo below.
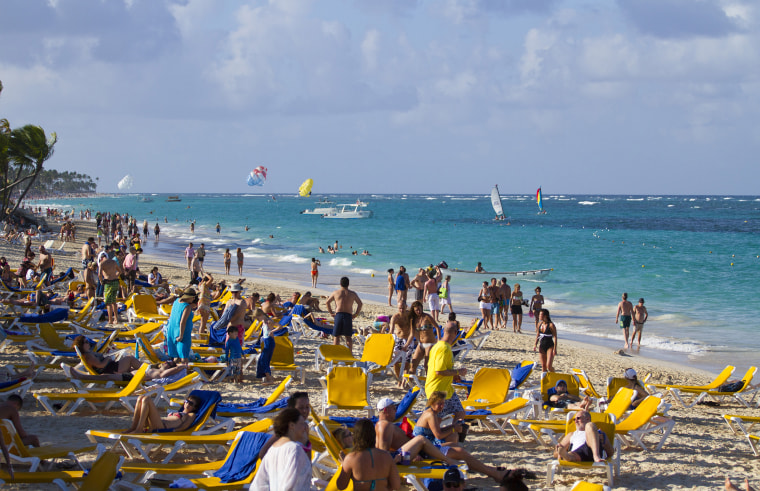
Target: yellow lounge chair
x,y
34,456
717,382
72,401
284,357
644,421
585,384
145,309
588,486
743,426
99,478
145,443
698,395
503,412
346,388
548,381
490,387
612,462
333,354
149,469
218,370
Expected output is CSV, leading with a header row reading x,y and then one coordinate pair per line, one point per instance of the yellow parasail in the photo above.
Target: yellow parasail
x,y
305,189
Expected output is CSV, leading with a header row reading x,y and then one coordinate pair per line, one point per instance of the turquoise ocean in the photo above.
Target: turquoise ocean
x,y
695,259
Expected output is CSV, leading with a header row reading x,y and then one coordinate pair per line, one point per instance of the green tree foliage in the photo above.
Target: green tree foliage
x,y
23,152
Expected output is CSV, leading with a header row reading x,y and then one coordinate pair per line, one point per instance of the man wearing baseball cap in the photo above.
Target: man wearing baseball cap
x,y
453,480
635,385
237,302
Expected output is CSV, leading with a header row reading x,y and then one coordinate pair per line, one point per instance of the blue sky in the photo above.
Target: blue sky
x,y
392,96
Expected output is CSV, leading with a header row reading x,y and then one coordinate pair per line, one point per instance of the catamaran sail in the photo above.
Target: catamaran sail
x,y
540,201
496,203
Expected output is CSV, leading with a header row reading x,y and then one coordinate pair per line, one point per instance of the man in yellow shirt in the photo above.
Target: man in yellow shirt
x,y
441,372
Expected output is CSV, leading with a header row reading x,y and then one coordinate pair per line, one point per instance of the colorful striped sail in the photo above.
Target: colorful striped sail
x,y
539,200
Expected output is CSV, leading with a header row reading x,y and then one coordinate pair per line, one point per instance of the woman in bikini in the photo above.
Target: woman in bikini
x,y
240,261
484,302
426,332
146,418
104,364
391,286
546,340
204,300
429,426
227,261
370,468
515,306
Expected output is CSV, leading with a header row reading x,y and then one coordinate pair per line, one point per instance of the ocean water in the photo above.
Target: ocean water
x,y
695,259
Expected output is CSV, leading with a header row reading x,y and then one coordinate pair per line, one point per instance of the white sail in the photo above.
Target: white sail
x,y
496,201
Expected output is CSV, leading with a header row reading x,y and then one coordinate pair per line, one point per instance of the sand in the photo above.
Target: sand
x,y
700,452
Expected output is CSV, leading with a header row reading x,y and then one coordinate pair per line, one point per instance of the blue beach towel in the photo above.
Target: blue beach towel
x,y
56,315
519,374
218,329
254,407
242,461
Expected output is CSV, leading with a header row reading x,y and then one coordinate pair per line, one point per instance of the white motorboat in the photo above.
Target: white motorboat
x,y
325,206
348,211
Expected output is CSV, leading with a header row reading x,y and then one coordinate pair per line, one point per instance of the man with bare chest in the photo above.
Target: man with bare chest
x,y
109,277
344,300
624,314
427,334
241,307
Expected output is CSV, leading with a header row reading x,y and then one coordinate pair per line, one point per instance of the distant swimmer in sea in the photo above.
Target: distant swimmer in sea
x,y
480,269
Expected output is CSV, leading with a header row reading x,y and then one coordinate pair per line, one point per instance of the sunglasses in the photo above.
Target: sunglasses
x,y
448,485
579,419
190,403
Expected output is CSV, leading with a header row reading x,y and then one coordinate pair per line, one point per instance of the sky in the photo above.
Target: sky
x,y
392,96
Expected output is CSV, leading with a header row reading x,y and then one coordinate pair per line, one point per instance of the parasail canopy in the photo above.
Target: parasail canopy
x,y
126,182
305,189
257,176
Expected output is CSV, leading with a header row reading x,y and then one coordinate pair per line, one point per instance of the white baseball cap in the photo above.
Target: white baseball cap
x,y
630,373
384,402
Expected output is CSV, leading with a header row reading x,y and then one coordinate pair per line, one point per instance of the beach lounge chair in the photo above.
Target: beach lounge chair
x,y
209,372
719,380
145,309
108,398
260,408
33,456
498,417
284,357
233,470
644,421
403,409
520,374
475,337
490,387
585,384
333,354
98,478
589,486
18,386
549,381
204,424
611,464
346,388
744,426
698,394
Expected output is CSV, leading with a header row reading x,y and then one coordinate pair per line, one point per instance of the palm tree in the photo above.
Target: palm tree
x,y
23,152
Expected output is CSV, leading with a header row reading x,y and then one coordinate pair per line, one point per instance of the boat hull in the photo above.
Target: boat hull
x,y
536,273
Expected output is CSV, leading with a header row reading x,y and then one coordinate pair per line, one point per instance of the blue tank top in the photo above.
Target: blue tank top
x,y
400,282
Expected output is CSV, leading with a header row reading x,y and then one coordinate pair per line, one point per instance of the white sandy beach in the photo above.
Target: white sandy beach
x,y
700,452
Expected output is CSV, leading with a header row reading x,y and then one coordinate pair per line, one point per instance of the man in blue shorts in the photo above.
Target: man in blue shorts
x,y
623,316
344,314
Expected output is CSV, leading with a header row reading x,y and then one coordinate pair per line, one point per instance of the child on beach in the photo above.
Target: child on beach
x,y
233,352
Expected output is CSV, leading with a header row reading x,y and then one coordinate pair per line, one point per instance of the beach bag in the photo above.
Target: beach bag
x,y
731,387
406,426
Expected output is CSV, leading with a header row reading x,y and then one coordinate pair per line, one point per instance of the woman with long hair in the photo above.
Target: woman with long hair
x,y
546,340
368,467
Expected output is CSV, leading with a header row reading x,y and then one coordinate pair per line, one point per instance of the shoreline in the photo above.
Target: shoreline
x,y
690,459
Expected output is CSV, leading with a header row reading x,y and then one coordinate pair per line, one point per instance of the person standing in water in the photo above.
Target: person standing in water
x,y
640,316
314,271
624,315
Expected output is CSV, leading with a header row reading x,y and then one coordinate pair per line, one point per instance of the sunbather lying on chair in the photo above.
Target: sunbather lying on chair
x,y
146,418
559,397
103,364
167,370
